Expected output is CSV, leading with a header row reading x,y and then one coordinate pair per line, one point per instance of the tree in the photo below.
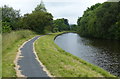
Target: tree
x,y
73,27
61,24
10,16
37,21
41,7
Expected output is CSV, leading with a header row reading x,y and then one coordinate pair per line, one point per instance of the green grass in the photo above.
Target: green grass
x,y
11,42
62,64
0,55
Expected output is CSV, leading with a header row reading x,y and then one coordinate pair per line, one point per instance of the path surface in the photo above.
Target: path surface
x,y
29,66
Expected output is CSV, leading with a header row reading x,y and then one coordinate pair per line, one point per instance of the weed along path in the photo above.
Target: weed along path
x,y
27,63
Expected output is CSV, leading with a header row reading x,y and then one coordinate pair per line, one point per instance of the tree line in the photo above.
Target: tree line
x,y
101,21
61,25
39,20
98,21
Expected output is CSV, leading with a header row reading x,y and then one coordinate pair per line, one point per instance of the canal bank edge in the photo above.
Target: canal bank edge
x,y
60,33
93,67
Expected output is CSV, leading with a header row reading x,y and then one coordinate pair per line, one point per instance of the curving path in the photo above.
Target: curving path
x,y
29,65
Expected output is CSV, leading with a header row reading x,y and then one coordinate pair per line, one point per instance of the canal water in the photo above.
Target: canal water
x,y
103,53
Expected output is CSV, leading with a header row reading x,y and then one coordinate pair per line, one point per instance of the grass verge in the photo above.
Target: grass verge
x,y
11,42
0,55
62,64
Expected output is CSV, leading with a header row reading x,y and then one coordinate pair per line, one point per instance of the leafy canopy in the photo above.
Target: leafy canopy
x,y
61,24
41,7
101,21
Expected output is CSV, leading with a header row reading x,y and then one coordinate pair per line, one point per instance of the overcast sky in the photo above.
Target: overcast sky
x,y
69,9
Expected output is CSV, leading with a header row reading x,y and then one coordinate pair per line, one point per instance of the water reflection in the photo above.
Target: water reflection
x,y
103,53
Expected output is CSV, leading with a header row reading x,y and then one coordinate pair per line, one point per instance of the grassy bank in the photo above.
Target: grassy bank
x,y
0,55
11,42
63,64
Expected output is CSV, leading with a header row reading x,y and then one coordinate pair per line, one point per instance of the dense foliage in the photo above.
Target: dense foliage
x,y
39,20
60,25
101,21
73,27
10,18
41,7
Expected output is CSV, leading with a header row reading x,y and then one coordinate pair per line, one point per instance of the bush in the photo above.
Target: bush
x,y
5,27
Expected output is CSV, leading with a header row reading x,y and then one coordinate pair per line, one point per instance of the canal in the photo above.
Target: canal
x,y
103,53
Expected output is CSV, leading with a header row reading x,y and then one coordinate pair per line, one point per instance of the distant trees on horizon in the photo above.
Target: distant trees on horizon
x,y
60,25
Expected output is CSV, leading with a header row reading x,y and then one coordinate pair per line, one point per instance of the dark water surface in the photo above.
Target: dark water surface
x,y
103,53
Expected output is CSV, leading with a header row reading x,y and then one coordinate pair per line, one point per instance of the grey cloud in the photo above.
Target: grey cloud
x,y
113,0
